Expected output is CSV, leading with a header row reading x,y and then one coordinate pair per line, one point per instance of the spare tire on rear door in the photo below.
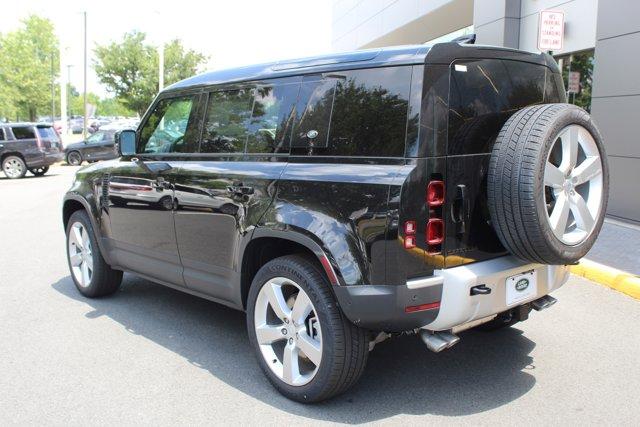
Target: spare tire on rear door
x,y
548,184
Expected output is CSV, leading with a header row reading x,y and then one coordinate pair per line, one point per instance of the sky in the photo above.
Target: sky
x,y
231,33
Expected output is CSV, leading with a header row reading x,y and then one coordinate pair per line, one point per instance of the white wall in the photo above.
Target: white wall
x,y
580,23
374,23
360,24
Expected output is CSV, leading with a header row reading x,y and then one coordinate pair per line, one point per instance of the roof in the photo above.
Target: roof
x,y
397,55
440,53
25,124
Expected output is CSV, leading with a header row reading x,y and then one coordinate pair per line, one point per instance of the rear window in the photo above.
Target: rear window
x,y
47,133
483,95
23,132
367,111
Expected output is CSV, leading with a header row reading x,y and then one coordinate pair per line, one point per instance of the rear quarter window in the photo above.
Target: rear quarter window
x,y
483,94
23,132
367,110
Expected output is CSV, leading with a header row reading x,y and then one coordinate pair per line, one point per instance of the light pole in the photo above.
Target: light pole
x,y
86,110
68,90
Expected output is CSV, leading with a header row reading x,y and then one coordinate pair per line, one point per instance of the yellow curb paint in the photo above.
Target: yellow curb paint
x,y
621,281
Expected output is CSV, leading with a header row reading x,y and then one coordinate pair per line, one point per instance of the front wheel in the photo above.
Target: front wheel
x,y
39,171
305,346
91,274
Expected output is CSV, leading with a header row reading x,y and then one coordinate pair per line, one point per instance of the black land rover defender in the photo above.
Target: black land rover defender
x,y
341,199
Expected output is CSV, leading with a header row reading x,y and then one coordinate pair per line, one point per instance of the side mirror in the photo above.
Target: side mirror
x,y
126,142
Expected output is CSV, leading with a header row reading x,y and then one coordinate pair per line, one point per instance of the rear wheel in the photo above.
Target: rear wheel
x,y
90,273
305,346
14,167
74,158
39,171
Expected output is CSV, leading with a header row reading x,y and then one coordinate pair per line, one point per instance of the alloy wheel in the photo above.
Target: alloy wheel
x,y
80,254
573,182
288,331
13,168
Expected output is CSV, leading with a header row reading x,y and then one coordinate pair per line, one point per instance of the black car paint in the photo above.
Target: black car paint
x,y
349,210
90,149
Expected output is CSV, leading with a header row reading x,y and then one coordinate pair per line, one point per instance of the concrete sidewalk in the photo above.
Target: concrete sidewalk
x,y
618,246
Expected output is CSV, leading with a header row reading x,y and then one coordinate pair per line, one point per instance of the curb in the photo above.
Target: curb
x,y
619,280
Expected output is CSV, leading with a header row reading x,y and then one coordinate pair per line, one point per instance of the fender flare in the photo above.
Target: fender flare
x,y
94,223
308,242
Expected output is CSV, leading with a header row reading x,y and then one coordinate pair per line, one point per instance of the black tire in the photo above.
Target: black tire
x,y
74,158
14,167
516,188
39,171
104,280
344,345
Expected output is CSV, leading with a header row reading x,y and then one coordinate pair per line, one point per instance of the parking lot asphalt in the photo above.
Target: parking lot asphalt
x,y
152,355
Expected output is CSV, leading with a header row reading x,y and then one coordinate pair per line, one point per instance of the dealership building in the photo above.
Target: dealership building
x,y
596,58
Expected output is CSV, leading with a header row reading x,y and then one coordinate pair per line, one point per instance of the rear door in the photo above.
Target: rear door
x,y
99,146
223,191
483,94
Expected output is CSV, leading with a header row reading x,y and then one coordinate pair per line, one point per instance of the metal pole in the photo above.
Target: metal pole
x,y
53,94
86,110
161,67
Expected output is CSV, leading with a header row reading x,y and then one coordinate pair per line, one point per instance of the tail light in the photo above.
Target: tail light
x,y
409,234
435,231
39,142
435,193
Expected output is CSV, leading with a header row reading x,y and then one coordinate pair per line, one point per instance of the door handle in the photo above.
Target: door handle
x,y
460,209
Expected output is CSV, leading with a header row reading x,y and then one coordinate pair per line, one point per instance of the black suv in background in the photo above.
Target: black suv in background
x,y
99,146
342,199
28,147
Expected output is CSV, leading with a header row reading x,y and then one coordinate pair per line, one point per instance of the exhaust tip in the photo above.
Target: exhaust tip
x,y
438,341
543,302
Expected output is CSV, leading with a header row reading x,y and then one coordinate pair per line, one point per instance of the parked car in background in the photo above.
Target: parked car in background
x,y
76,124
99,146
28,147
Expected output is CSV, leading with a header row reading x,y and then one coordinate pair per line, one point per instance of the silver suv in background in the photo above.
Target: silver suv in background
x,y
28,147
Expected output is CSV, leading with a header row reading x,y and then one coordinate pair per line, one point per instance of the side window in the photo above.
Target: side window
x,y
95,138
2,138
272,118
227,121
23,132
313,114
368,113
483,95
167,129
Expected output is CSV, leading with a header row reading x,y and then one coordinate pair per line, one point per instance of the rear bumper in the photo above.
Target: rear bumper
x,y
45,159
458,306
383,308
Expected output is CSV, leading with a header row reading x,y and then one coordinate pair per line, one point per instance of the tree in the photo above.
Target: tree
x,y
129,68
27,57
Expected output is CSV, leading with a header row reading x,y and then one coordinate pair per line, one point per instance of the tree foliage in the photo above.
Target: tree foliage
x,y
129,68
26,57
